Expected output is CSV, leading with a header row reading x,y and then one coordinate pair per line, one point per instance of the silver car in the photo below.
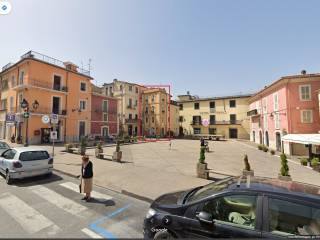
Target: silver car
x,y
22,162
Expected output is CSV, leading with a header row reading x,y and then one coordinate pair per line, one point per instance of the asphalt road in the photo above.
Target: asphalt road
x,y
52,208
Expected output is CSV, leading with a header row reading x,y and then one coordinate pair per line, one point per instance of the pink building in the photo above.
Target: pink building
x,y
103,114
289,105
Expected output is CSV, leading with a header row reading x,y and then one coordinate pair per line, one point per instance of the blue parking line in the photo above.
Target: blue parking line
x,y
101,231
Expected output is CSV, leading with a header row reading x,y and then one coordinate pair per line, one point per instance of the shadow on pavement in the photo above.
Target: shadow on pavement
x,y
107,203
37,180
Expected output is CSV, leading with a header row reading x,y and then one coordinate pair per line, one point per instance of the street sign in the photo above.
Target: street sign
x,y
53,135
54,119
45,119
26,115
10,117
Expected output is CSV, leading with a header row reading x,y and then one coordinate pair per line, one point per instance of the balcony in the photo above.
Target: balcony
x,y
53,61
253,113
131,107
35,83
195,123
41,110
226,122
131,120
212,110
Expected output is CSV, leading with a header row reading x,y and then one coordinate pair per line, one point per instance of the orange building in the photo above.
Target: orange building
x,y
49,86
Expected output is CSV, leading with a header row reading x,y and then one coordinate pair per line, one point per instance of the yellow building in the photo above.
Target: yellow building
x,y
49,86
174,118
155,113
225,116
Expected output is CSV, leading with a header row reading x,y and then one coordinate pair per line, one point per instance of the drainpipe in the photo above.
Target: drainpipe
x,y
288,105
66,108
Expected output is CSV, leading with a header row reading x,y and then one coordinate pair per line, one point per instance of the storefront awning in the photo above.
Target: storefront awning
x,y
302,138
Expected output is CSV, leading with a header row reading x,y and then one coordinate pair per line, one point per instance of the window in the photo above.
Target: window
x,y
130,103
105,106
236,210
130,116
82,105
152,119
277,120
9,154
180,118
13,81
212,131
212,104
11,104
196,120
197,131
57,82
34,155
105,117
212,119
275,102
130,88
196,105
233,118
265,121
4,104
136,103
107,91
83,86
181,107
305,92
21,77
136,116
5,85
146,120
306,116
152,99
232,103
152,109
287,218
137,90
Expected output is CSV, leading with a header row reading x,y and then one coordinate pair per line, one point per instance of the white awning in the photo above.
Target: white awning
x,y
302,138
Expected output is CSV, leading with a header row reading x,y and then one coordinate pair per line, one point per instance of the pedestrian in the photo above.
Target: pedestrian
x,y
170,144
87,176
202,142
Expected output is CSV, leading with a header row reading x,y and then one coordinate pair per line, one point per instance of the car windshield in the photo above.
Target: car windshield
x,y
33,155
210,189
4,145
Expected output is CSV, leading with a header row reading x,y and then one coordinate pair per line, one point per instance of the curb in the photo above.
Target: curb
x,y
124,192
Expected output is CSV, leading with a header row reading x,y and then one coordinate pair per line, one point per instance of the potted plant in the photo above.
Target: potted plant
x,y
68,147
272,152
83,146
265,148
304,161
202,171
284,171
117,155
260,146
247,169
98,150
315,164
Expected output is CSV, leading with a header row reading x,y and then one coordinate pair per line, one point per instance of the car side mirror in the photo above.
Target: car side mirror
x,y
205,217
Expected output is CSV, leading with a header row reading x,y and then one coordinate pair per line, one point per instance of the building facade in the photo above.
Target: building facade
x,y
156,110
174,119
129,105
289,105
49,86
226,116
104,120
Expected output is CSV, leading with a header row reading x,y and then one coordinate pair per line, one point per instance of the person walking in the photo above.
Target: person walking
x,y
202,142
87,176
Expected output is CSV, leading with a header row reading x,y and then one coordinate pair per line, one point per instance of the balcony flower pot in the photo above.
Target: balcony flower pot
x,y
247,173
202,170
117,156
284,178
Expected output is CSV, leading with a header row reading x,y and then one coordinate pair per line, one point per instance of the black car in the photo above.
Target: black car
x,y
237,207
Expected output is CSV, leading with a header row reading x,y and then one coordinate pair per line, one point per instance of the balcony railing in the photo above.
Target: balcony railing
x,y
7,66
226,122
41,110
195,123
50,60
253,113
212,110
131,107
131,120
41,84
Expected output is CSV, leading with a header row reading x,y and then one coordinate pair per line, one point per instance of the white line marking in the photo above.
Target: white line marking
x,y
91,233
59,200
74,187
29,219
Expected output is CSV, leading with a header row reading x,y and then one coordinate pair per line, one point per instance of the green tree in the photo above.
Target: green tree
x,y
284,171
246,163
202,155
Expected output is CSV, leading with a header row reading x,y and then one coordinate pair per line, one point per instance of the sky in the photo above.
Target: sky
x,y
207,47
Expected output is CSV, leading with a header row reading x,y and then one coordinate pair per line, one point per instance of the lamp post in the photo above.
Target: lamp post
x,y
25,105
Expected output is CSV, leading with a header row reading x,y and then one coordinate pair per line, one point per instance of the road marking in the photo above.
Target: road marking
x,y
91,233
74,187
59,200
30,219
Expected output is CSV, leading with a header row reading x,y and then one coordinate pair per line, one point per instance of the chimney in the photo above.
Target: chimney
x,y
71,66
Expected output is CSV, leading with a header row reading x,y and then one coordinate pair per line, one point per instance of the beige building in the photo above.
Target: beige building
x,y
155,112
129,105
225,116
174,119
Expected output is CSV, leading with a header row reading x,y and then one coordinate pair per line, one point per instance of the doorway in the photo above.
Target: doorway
x,y
105,131
260,137
278,141
130,130
233,133
57,82
254,136
267,138
55,105
45,135
82,129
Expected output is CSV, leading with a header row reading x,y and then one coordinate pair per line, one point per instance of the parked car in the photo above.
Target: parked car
x,y
3,146
237,207
22,162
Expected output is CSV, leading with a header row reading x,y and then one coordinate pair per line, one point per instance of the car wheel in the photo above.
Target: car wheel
x,y
163,235
8,178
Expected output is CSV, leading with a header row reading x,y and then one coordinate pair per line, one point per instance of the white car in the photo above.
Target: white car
x,y
22,162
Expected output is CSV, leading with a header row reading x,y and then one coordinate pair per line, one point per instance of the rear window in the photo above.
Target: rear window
x,y
33,155
4,145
